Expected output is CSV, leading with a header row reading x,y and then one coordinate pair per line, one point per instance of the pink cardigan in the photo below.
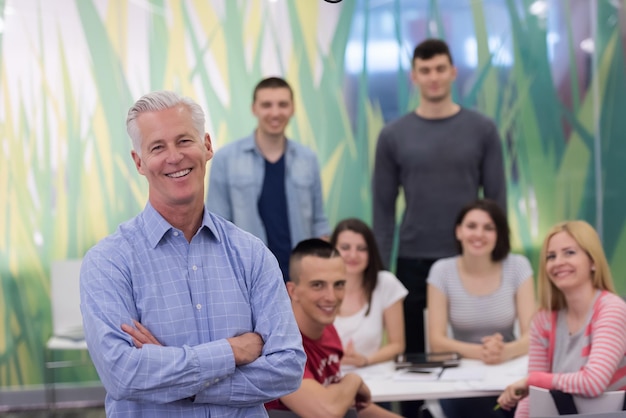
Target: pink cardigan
x,y
604,349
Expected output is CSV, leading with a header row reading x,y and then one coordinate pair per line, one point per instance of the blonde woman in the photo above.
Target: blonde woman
x,y
578,337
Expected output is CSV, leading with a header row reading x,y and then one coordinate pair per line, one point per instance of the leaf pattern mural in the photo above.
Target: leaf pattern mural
x,y
553,80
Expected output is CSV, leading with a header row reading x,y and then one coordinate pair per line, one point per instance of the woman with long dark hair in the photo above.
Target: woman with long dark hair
x,y
372,306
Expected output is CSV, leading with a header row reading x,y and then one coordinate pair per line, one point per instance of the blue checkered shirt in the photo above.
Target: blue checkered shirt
x,y
192,297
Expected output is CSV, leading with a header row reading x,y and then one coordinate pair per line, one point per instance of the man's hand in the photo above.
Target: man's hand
x,y
246,347
493,349
140,335
363,397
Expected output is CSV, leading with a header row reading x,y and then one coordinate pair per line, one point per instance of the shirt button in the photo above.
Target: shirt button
x,y
216,380
194,268
175,233
198,306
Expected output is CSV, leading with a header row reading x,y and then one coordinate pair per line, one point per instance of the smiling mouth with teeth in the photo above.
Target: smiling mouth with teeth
x,y
179,174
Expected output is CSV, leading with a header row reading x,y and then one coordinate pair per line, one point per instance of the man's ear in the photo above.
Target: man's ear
x,y
454,72
291,289
209,146
138,162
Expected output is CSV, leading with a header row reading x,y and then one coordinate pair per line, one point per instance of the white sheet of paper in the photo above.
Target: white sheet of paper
x,y
463,373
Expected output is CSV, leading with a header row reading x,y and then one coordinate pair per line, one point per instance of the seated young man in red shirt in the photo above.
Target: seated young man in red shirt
x,y
317,287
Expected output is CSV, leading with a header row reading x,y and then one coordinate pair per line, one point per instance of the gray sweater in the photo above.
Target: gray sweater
x,y
441,164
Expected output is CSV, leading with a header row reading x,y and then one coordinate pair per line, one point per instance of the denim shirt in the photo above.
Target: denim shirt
x,y
236,180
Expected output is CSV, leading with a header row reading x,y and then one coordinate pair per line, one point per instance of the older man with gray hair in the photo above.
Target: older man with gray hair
x,y
185,315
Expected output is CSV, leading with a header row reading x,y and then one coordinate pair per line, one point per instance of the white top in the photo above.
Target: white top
x,y
473,317
366,332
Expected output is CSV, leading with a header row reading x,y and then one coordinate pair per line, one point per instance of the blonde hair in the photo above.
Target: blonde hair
x,y
550,297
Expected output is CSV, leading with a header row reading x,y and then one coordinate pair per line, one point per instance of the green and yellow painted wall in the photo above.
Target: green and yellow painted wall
x,y
551,73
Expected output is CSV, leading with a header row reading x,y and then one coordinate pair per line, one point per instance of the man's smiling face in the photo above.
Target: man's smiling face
x,y
173,157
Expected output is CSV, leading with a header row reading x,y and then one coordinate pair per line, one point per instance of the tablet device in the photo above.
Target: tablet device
x,y
427,360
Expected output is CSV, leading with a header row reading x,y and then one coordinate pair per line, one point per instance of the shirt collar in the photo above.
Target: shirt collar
x,y
248,144
155,225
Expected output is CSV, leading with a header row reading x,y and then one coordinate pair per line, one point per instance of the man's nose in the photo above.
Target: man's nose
x,y
331,294
274,110
173,155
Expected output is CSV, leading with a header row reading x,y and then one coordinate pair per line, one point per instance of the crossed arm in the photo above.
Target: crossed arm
x,y
246,347
228,370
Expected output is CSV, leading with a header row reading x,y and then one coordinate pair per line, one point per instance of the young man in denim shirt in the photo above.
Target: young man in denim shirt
x,y
266,183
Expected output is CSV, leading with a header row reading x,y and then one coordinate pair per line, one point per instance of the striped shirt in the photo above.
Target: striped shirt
x,y
603,350
192,296
473,317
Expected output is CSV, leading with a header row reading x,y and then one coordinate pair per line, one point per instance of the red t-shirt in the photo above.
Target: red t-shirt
x,y
323,361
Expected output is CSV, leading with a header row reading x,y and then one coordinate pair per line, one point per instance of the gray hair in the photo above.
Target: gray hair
x,y
161,100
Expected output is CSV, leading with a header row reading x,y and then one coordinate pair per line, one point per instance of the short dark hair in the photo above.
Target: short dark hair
x,y
375,262
314,247
498,216
431,47
271,83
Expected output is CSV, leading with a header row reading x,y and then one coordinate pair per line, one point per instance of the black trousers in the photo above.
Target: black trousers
x,y
413,272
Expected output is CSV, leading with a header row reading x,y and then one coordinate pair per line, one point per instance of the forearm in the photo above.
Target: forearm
x,y
386,353
516,348
466,350
269,377
162,374
341,396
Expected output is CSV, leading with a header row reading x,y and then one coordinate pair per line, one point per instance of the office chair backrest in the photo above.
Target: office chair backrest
x,y
65,298
542,404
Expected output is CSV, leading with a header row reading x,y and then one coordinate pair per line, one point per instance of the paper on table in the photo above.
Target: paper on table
x,y
423,374
463,373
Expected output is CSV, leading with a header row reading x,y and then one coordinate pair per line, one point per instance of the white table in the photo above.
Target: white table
x,y
493,379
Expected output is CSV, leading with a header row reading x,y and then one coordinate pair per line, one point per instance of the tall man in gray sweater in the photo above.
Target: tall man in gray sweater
x,y
441,155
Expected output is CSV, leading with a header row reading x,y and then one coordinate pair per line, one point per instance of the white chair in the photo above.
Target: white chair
x,y
608,404
67,324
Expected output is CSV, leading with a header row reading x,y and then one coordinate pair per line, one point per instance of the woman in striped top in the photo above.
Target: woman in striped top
x,y
480,294
578,338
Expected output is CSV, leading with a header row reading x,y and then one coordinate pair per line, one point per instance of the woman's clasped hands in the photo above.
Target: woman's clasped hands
x,y
493,349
